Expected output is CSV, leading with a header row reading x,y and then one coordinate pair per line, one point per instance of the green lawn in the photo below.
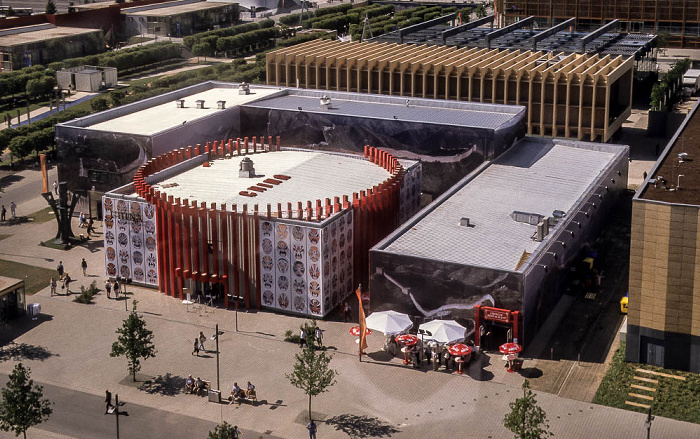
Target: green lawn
x,y
673,398
35,278
43,215
4,236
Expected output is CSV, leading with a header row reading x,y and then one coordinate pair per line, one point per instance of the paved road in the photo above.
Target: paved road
x,y
24,188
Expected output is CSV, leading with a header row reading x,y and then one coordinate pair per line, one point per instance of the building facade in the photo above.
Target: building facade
x,y
574,95
257,237
663,326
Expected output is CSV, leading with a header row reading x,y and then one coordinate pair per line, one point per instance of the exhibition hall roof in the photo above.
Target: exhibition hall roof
x,y
537,176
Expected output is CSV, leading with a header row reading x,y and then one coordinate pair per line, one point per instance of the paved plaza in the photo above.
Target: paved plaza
x,y
68,349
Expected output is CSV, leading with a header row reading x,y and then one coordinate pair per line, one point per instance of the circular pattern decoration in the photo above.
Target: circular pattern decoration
x,y
121,205
314,271
315,306
314,254
267,263
152,276
150,227
121,224
138,258
136,241
341,240
299,304
136,210
149,210
283,283
282,231
138,274
314,288
122,239
283,301
299,286
298,268
123,256
297,233
282,249
282,265
108,221
313,236
267,280
111,254
151,261
150,244
124,271
111,269
136,227
268,297
266,246
298,251
109,238
266,228
108,204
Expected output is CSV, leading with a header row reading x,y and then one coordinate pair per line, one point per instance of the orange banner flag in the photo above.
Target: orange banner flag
x,y
363,323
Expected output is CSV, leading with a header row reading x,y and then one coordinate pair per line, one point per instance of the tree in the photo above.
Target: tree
x,y
222,431
134,342
202,49
99,104
50,7
22,403
526,419
480,11
311,371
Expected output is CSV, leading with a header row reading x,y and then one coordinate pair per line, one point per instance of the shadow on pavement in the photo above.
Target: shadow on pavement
x,y
361,426
166,385
23,351
530,372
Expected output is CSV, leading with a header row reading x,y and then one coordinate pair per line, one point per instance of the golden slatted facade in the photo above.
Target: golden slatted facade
x,y
567,95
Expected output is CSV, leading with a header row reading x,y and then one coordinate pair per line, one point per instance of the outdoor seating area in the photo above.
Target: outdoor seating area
x,y
444,344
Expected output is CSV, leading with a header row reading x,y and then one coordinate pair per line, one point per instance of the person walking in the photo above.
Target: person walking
x,y
13,210
318,335
53,286
55,187
302,338
83,265
59,270
311,426
236,433
66,282
3,212
202,339
108,287
90,227
347,312
116,289
108,400
195,349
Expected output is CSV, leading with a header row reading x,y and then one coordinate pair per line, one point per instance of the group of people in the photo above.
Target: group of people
x,y
13,212
199,344
238,393
86,223
317,337
112,286
63,277
436,354
195,387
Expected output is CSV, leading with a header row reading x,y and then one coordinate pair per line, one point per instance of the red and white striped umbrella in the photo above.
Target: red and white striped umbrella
x,y
459,349
510,348
355,330
407,339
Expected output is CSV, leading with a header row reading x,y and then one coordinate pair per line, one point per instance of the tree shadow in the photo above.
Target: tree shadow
x,y
167,385
23,351
361,426
530,372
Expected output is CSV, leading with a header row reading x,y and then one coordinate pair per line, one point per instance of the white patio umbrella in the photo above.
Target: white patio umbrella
x,y
389,322
444,331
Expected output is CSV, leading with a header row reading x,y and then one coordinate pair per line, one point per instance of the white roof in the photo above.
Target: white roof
x,y
162,117
534,176
314,175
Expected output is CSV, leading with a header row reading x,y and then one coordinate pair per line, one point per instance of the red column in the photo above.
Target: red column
x,y
170,273
224,238
245,144
160,221
255,144
204,238
236,251
186,220
196,267
516,326
215,240
358,238
246,257
178,247
256,262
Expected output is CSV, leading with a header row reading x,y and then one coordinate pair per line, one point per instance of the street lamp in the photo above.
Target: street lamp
x,y
648,422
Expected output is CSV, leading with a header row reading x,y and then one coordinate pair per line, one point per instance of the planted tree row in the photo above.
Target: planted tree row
x,y
211,37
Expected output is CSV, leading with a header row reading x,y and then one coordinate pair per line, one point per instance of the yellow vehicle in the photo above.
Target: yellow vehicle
x,y
623,304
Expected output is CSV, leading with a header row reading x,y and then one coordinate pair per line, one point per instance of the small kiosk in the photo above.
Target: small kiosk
x,y
12,298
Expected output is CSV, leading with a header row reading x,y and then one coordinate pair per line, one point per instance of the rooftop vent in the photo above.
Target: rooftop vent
x,y
526,217
246,169
465,222
542,230
683,156
200,104
244,89
325,102
558,214
221,105
180,103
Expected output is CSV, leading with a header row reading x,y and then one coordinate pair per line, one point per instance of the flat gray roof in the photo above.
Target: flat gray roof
x,y
535,176
161,117
169,10
33,36
391,108
314,175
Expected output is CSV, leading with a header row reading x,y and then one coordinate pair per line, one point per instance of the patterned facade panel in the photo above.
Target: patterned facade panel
x,y
347,260
315,276
130,240
282,244
267,263
299,268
